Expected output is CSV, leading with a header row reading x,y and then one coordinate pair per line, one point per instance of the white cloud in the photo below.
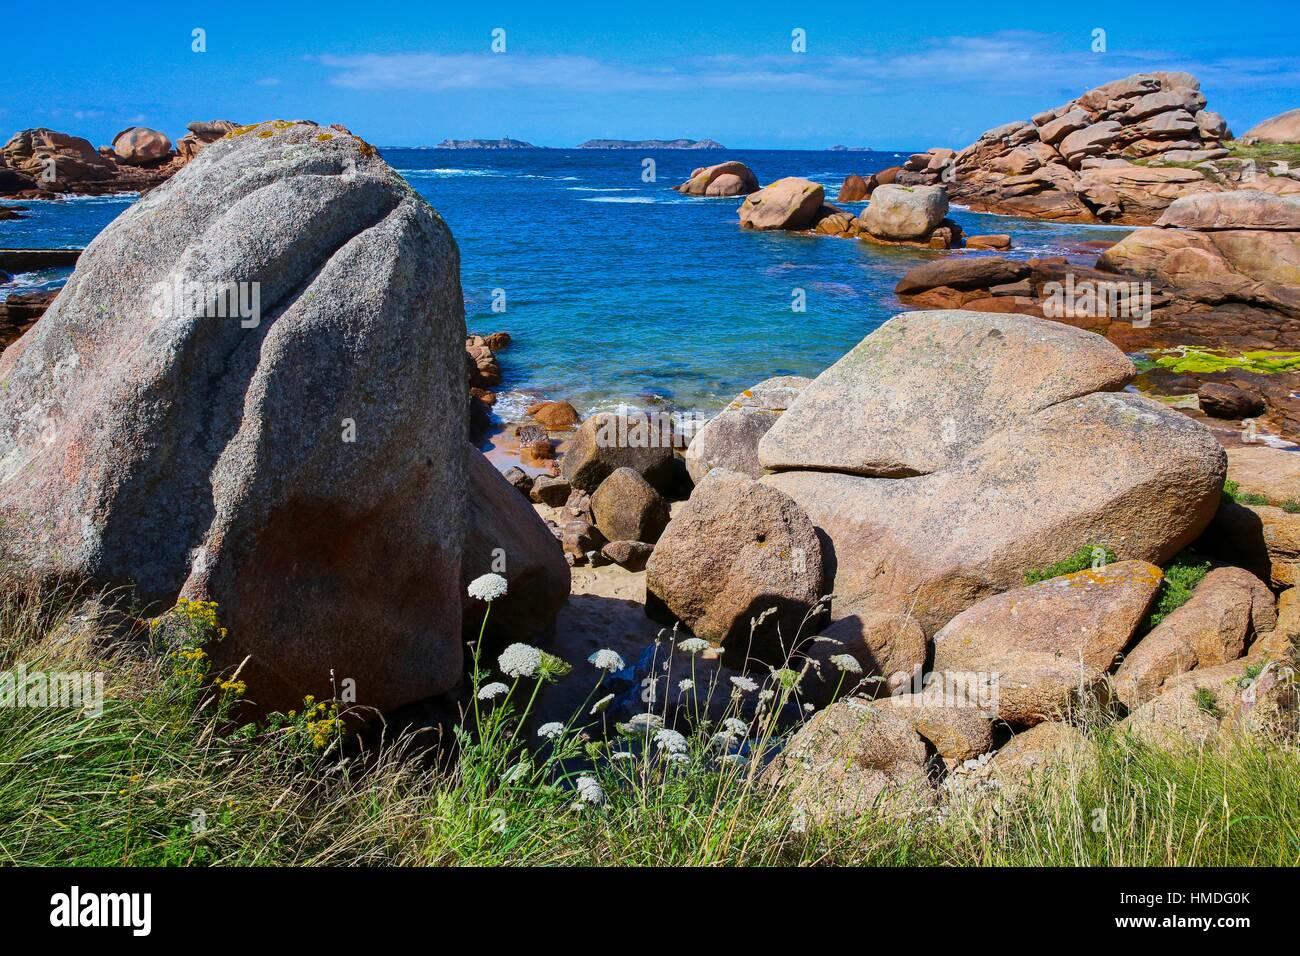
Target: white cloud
x,y
1002,63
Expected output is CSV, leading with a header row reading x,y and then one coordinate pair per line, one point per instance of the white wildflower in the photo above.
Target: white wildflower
x,y
520,660
766,695
589,791
744,684
671,742
809,708
694,645
847,663
646,722
622,755
599,706
677,758
494,689
606,660
487,587
550,731
735,726
685,685
738,759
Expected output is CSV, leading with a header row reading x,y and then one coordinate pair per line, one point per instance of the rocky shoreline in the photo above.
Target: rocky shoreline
x,y
948,548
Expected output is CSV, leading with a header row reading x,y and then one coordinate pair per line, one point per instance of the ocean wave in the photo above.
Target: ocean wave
x,y
601,189
114,198
632,199
448,172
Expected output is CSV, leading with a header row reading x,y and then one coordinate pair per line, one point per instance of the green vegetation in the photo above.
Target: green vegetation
x,y
165,776
1182,575
1264,152
1232,490
1263,361
1081,560
1207,702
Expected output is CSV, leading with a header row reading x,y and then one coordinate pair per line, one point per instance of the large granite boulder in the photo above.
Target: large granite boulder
x,y
905,213
251,391
731,178
1229,609
1283,128
734,551
730,439
940,468
926,387
140,146
50,157
790,203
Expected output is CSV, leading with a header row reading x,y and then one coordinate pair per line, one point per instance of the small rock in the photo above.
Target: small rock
x,y
1224,400
626,507
550,490
631,555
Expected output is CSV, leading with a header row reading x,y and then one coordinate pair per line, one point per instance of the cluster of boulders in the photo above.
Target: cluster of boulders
x,y
307,470
1217,271
611,499
878,523
1119,153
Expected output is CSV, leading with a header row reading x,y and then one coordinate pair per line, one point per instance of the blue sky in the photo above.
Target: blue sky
x,y
884,75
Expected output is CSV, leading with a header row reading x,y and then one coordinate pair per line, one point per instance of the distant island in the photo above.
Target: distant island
x,y
651,144
506,143
850,149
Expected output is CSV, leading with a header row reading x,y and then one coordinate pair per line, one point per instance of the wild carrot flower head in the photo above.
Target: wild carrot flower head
x,y
520,660
744,685
606,660
487,587
494,689
693,645
847,663
551,730
589,791
670,741
735,726
646,722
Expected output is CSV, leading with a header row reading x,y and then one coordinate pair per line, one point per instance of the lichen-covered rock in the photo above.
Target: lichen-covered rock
x,y
957,729
285,436
735,550
1048,748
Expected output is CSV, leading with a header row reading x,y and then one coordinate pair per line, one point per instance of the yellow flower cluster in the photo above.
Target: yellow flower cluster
x,y
323,722
201,614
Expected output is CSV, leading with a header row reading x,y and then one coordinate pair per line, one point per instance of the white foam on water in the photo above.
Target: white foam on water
x,y
632,199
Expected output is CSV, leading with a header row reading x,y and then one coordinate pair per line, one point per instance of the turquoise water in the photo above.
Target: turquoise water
x,y
616,289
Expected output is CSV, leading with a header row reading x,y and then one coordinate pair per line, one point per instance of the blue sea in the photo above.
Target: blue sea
x,y
620,290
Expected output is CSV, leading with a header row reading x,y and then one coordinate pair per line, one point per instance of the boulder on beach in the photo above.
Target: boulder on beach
x,y
730,439
856,188
505,536
140,146
790,203
606,441
202,133
735,551
905,213
252,391
732,178
555,415
627,508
